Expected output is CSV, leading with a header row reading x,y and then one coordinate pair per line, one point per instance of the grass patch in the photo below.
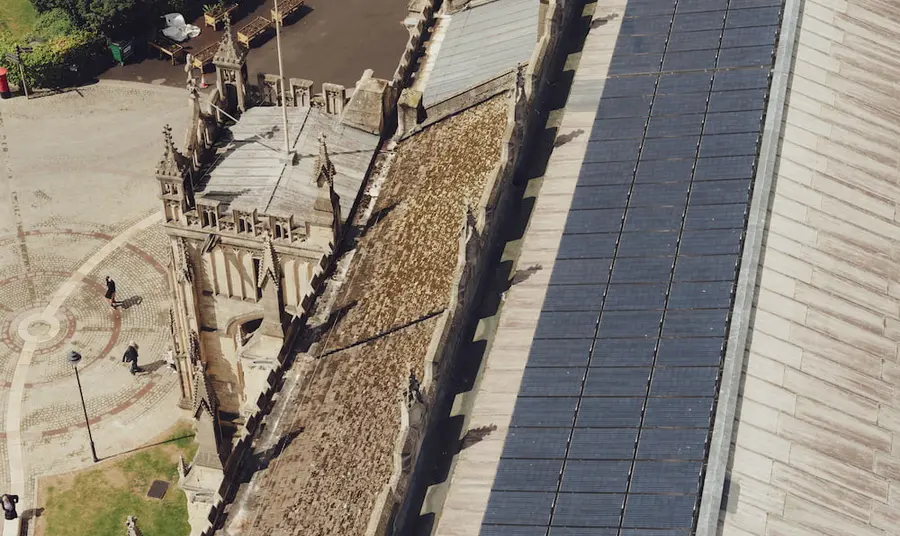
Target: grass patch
x,y
17,17
95,502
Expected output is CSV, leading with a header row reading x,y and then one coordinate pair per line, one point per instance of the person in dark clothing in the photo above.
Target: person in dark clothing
x,y
9,506
131,357
111,291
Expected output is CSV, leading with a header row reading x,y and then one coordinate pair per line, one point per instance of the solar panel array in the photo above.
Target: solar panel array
x,y
610,429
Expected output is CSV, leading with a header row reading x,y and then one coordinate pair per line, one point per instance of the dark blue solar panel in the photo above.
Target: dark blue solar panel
x,y
527,475
580,271
574,298
659,194
650,244
551,381
623,353
610,196
610,430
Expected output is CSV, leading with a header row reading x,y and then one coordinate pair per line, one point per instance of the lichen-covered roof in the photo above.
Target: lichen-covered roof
x,y
251,175
480,43
326,481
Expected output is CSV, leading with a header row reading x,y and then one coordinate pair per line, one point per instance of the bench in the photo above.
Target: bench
x,y
167,47
285,9
252,30
204,56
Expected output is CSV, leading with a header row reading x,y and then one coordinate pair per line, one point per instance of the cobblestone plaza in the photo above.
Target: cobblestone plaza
x,y
78,203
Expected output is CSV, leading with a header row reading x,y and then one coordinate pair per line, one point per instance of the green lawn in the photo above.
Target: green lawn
x,y
17,17
97,501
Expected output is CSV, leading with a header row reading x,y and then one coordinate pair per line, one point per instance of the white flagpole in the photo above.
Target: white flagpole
x,y
287,143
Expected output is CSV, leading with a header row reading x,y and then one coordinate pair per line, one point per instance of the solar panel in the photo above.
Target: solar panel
x,y
659,194
725,168
682,477
628,324
597,173
760,16
724,191
706,39
635,64
623,352
596,476
603,444
669,148
585,246
552,381
745,57
580,271
690,352
690,60
652,171
606,196
588,509
692,22
650,244
675,125
536,443
695,323
630,342
733,122
753,36
659,511
711,242
703,295
617,381
547,412
574,298
684,381
559,352
654,218
642,270
625,297
672,444
594,221
523,508
619,129
569,325
527,475
698,6
610,412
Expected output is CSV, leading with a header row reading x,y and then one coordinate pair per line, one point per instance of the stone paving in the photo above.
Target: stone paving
x,y
78,202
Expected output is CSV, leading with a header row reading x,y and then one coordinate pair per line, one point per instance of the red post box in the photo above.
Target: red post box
x,y
4,85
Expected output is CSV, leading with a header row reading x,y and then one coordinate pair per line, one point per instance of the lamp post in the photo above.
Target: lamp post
x,y
74,358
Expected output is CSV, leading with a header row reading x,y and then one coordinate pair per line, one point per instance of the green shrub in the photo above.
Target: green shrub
x,y
57,47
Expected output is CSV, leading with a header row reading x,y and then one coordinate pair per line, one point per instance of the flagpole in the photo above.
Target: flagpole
x,y
278,21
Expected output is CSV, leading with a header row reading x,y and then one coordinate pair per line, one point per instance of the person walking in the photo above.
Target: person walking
x,y
131,357
8,503
111,292
170,360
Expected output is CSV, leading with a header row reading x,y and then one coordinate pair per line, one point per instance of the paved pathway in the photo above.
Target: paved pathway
x,y
77,203
817,446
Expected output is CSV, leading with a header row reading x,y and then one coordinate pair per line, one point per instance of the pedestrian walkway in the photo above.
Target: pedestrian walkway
x,y
79,203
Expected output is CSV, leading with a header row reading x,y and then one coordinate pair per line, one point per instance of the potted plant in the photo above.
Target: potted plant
x,y
213,14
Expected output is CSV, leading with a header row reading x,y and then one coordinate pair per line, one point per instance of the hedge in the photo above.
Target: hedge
x,y
57,46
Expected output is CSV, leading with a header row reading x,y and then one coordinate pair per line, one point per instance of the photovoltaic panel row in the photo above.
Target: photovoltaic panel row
x,y
610,428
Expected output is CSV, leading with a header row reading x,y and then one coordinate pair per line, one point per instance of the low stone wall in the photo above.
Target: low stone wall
x,y
418,21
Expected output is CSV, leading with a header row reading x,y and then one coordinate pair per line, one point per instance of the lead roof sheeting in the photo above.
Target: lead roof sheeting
x,y
481,43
